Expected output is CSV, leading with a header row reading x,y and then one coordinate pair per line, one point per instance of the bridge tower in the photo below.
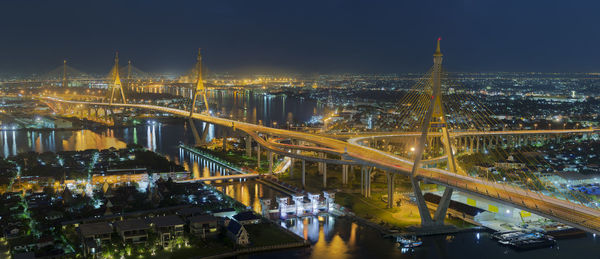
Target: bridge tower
x,y
64,78
200,89
434,119
129,76
117,82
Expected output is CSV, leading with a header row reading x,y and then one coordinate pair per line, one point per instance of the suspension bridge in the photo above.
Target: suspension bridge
x,y
444,130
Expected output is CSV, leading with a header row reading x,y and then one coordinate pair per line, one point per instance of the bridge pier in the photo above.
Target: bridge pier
x,y
421,204
320,164
197,138
344,174
270,156
324,175
365,181
303,173
205,131
225,140
390,186
248,146
440,212
258,156
471,140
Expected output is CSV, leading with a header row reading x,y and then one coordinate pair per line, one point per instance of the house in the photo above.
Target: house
x,y
22,244
227,212
204,225
247,217
93,235
238,233
26,255
190,212
168,228
133,230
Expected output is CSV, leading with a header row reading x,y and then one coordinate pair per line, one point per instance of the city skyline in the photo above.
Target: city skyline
x,y
333,129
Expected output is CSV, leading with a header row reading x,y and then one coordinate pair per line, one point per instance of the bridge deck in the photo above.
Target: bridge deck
x,y
569,213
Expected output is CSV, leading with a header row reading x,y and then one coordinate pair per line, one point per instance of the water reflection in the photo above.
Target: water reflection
x,y
17,141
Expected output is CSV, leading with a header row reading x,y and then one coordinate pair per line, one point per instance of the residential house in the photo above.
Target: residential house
x,y
204,225
238,233
168,228
247,217
93,235
133,230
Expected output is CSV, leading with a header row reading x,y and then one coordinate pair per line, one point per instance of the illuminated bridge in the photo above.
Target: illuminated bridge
x,y
305,147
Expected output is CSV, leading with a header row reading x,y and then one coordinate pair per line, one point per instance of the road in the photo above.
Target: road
x,y
570,213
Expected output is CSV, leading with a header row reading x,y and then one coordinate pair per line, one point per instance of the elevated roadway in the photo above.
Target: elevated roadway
x,y
570,213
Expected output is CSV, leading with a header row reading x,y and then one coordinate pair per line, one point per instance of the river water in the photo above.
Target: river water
x,y
331,237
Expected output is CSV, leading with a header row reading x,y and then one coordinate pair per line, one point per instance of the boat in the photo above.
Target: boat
x,y
524,240
527,244
502,237
412,242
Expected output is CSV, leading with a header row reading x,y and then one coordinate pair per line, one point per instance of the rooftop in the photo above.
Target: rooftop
x,y
246,215
167,221
131,224
203,218
91,229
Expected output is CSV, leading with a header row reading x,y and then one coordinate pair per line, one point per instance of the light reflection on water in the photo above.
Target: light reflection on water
x,y
17,141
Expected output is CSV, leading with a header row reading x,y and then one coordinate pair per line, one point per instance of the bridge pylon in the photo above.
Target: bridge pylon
x,y
129,85
117,85
200,89
64,77
434,119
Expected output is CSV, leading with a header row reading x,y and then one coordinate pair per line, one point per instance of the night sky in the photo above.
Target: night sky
x,y
301,36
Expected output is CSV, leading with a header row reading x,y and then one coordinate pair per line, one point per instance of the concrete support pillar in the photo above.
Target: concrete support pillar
x,y
423,210
390,185
292,160
366,181
362,180
197,138
205,132
270,157
258,155
324,175
320,164
344,174
248,146
303,173
440,212
472,139
224,140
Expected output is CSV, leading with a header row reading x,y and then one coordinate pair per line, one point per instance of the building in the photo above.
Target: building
x,y
204,225
168,228
227,212
187,213
93,235
238,233
133,230
247,217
